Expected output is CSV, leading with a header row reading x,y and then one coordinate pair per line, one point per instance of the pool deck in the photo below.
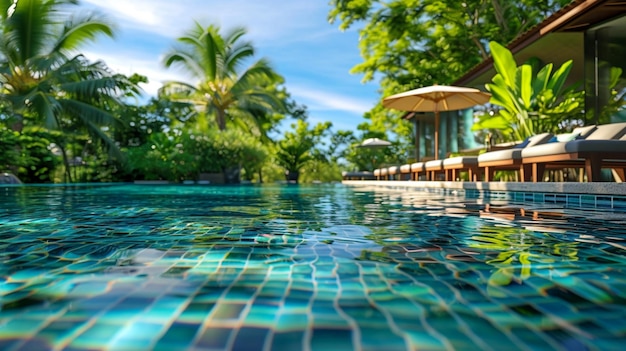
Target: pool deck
x,y
596,188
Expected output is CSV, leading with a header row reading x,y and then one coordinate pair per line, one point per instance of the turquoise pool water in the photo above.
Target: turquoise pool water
x,y
127,267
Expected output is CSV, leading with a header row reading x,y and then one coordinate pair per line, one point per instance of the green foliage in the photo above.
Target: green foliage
x,y
44,82
219,150
322,171
532,100
177,155
163,157
38,163
407,44
9,154
415,43
301,146
27,154
224,91
254,156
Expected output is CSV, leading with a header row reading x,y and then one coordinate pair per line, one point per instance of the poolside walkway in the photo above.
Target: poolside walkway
x,y
594,188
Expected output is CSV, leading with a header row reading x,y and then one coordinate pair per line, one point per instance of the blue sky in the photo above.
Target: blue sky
x,y
314,56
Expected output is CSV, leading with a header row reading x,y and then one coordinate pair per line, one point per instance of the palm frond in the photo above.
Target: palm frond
x,y
185,60
87,113
28,29
81,29
45,106
179,89
237,55
111,145
210,51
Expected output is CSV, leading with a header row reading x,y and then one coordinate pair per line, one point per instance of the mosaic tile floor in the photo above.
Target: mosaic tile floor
x,y
304,268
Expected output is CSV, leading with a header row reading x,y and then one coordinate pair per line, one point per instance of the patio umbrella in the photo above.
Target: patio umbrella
x,y
436,98
374,143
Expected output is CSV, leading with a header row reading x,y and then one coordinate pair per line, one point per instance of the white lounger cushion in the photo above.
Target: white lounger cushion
x,y
607,131
460,161
516,152
575,146
434,165
417,167
500,155
598,141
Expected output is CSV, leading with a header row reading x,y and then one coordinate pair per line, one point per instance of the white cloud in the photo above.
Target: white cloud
x,y
327,100
265,20
294,35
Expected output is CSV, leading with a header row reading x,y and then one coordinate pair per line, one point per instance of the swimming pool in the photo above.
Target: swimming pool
x,y
329,267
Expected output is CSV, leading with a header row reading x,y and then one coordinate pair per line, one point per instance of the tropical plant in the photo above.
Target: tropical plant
x,y
223,90
44,82
298,147
163,157
9,154
532,100
407,44
180,154
320,171
28,154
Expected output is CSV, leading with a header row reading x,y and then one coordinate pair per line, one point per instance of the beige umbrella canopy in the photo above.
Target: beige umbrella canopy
x,y
436,98
374,143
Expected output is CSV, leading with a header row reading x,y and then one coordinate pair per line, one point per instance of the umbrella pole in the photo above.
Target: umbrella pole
x,y
436,134
417,139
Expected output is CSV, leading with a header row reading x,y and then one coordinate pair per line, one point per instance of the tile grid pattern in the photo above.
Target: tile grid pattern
x,y
580,201
411,271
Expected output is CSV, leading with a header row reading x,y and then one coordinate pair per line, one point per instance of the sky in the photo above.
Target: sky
x,y
314,56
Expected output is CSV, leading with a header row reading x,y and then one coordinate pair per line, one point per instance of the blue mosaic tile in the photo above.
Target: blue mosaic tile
x,y
604,202
573,200
619,203
284,268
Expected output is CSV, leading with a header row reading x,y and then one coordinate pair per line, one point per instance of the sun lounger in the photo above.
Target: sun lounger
x,y
509,159
604,147
417,169
377,174
384,173
393,173
452,166
359,175
434,169
405,172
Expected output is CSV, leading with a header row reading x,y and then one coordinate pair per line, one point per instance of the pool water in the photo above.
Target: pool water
x,y
328,267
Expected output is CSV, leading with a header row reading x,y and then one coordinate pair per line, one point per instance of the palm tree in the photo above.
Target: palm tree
x,y
44,80
222,89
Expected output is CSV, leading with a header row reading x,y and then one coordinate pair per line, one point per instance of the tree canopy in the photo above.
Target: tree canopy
x,y
44,80
407,44
224,90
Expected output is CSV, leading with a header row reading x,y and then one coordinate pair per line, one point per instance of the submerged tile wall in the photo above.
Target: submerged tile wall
x,y
578,201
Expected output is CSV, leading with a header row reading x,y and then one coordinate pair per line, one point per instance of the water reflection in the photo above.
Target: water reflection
x,y
290,266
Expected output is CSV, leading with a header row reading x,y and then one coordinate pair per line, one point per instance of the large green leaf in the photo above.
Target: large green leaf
x,y
526,85
497,122
540,83
559,77
504,62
